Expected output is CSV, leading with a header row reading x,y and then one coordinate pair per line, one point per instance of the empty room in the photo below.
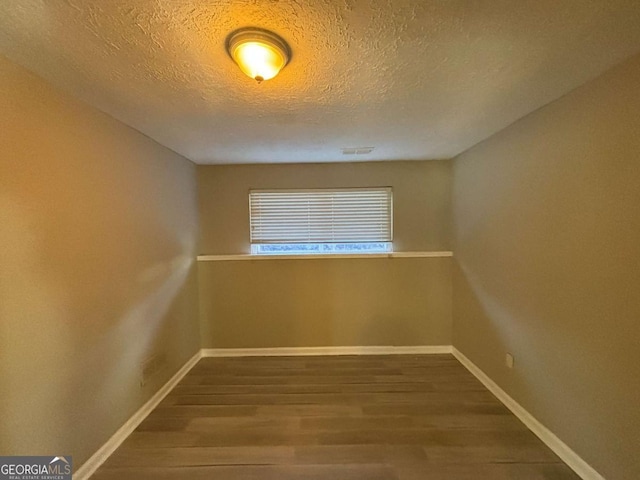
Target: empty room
x,y
325,240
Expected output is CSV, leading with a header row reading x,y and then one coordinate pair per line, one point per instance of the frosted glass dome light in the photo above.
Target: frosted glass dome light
x,y
260,54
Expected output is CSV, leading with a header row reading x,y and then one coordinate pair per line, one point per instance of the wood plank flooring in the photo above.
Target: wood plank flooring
x,y
391,417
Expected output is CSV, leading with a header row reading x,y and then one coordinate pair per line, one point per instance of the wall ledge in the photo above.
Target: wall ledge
x,y
227,258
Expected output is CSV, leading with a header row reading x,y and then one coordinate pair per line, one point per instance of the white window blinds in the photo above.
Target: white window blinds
x,y
321,216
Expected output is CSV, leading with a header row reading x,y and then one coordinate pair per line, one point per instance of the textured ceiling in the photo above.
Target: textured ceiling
x,y
414,79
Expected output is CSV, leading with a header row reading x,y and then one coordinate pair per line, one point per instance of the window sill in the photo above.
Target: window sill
x,y
226,258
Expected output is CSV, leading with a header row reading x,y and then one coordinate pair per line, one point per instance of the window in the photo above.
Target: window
x,y
329,221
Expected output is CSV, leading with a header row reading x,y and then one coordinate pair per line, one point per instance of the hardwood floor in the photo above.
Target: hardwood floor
x,y
394,417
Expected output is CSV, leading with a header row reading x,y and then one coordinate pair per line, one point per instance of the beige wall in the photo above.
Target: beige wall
x,y
330,302
327,302
547,242
421,198
98,226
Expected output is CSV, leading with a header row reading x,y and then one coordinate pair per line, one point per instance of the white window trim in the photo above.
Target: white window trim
x,y
392,255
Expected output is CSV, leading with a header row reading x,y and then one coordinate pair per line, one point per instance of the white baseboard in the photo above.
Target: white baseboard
x,y
97,459
571,458
308,351
89,467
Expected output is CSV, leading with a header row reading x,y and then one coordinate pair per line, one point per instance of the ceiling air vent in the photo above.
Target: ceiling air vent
x,y
357,150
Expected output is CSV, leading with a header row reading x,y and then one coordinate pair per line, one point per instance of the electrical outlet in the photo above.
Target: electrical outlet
x,y
509,360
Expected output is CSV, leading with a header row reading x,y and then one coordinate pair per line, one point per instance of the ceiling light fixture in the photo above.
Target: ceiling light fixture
x,y
259,53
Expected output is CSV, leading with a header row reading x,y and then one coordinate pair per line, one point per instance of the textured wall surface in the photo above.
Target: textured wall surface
x,y
417,79
421,199
98,227
547,243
